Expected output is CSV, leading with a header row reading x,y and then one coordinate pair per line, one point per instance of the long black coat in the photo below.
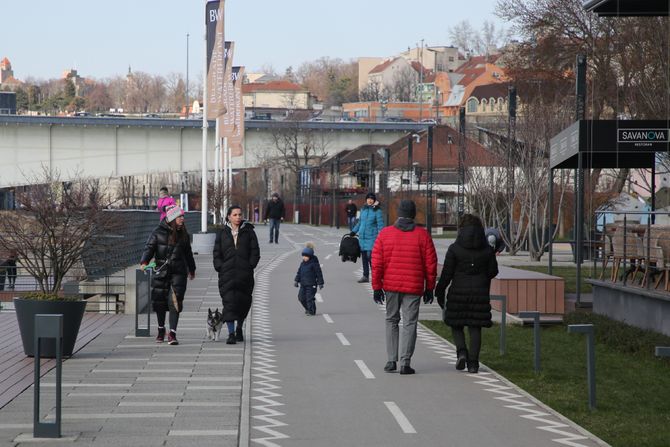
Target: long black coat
x,y
175,273
469,265
236,269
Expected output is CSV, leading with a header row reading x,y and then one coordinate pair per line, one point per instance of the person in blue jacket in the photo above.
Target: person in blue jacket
x,y
369,225
309,276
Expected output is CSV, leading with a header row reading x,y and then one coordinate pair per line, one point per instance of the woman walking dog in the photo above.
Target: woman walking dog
x,y
170,246
236,255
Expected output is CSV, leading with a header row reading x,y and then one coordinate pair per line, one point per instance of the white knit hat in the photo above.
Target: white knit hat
x,y
172,212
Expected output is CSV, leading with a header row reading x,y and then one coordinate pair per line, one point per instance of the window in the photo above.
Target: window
x,y
472,105
492,104
500,104
484,104
451,58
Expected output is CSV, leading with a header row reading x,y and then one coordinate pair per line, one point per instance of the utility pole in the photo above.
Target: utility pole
x,y
461,161
429,183
421,81
186,92
580,113
511,136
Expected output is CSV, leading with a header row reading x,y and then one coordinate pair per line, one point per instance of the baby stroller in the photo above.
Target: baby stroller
x,y
350,250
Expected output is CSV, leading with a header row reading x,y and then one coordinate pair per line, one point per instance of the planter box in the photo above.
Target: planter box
x,y
73,312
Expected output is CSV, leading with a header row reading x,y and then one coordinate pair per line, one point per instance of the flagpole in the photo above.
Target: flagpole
x,y
203,205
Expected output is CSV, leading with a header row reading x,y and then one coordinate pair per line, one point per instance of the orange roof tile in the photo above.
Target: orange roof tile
x,y
5,62
383,66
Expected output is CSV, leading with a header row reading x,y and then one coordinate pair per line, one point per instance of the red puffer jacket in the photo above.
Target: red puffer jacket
x,y
404,260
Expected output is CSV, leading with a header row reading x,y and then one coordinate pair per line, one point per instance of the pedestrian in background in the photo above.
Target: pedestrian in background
x,y
351,210
164,200
469,266
236,255
170,246
309,276
257,214
274,211
11,269
367,228
404,269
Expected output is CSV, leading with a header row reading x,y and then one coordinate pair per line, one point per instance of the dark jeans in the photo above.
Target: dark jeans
x,y
306,296
11,275
2,279
351,221
475,340
366,259
274,229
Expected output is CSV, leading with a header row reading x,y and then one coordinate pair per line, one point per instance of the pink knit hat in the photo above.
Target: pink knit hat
x,y
172,212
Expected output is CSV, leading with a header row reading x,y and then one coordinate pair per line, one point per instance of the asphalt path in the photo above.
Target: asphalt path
x,y
319,380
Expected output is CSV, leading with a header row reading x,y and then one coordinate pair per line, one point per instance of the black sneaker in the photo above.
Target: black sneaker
x,y
364,279
390,367
406,369
239,336
461,359
160,338
172,338
231,339
473,366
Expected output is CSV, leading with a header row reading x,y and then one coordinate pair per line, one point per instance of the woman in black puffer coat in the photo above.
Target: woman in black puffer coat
x,y
170,246
236,255
470,265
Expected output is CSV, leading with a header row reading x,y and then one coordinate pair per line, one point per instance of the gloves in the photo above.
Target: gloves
x,y
378,296
428,297
440,297
295,284
320,286
352,234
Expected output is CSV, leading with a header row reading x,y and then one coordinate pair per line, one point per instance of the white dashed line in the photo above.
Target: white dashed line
x,y
327,318
328,257
364,369
400,418
318,298
342,339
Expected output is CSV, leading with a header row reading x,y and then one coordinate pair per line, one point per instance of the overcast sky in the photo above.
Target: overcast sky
x,y
42,38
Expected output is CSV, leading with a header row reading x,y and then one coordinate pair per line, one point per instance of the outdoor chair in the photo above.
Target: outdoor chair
x,y
608,251
622,254
663,242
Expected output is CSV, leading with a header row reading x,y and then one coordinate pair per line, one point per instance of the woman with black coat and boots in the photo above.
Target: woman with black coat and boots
x,y
170,246
236,255
469,266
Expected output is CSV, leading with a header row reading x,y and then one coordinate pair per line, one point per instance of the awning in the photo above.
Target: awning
x,y
625,8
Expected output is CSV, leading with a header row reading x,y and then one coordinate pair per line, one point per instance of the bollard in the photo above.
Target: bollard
x,y
503,322
662,351
536,334
48,326
590,358
143,302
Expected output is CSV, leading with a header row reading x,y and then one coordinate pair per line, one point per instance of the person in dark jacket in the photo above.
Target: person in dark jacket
x,y
170,246
368,227
351,210
309,276
404,267
236,255
274,211
469,266
11,269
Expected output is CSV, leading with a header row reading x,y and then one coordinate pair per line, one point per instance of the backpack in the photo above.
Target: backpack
x,y
350,250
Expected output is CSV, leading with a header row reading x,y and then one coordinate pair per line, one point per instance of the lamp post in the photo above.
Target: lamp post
x,y
186,92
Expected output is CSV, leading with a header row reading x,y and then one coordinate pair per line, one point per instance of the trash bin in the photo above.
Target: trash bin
x,y
296,217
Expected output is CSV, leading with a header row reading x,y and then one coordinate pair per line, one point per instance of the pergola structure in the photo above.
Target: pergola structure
x,y
612,144
625,8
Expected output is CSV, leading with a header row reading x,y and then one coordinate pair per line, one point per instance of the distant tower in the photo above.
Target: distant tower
x,y
6,71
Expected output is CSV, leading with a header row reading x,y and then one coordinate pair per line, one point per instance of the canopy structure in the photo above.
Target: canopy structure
x,y
627,8
589,144
610,144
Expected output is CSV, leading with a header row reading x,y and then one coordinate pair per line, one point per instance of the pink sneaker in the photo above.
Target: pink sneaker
x,y
172,338
160,338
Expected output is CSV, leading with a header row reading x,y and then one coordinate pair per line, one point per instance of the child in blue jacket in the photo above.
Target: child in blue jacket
x,y
309,276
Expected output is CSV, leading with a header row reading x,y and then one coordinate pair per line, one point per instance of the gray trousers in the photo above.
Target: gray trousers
x,y
409,304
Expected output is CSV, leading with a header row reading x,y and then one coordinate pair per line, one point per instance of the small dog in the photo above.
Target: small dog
x,y
214,324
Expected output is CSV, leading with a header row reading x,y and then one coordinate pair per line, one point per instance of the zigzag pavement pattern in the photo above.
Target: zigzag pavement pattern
x,y
265,385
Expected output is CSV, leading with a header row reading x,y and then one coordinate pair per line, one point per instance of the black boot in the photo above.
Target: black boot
x,y
473,366
461,359
239,336
231,339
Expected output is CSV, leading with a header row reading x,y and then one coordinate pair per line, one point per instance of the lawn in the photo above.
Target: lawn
x,y
570,275
632,386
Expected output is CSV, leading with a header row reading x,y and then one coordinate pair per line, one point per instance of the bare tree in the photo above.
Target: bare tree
x,y
478,42
374,91
57,220
404,84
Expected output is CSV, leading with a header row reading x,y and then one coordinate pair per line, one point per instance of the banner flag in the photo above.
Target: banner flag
x,y
216,55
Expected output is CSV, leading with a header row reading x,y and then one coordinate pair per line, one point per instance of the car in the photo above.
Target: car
x,y
428,121
348,119
81,114
151,115
316,118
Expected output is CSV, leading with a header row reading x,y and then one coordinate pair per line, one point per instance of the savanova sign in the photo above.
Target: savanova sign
x,y
643,137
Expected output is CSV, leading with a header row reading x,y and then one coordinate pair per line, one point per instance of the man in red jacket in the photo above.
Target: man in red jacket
x,y
404,268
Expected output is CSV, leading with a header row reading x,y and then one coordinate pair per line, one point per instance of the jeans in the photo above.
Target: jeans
x,y
410,314
351,221
366,259
306,296
274,229
475,340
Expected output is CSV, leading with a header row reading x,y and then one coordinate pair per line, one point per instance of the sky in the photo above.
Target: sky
x,y
43,38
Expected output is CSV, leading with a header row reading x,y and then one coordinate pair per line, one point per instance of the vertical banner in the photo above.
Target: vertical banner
x,y
216,70
237,138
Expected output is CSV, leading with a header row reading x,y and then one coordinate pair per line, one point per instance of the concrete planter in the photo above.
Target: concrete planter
x,y
73,312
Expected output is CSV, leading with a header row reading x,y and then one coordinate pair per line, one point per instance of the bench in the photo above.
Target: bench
x,y
529,291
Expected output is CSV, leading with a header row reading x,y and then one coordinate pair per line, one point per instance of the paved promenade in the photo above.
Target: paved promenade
x,y
296,381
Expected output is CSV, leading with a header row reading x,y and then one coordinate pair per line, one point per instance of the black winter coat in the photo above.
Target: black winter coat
x,y
275,210
309,273
179,259
236,269
470,265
